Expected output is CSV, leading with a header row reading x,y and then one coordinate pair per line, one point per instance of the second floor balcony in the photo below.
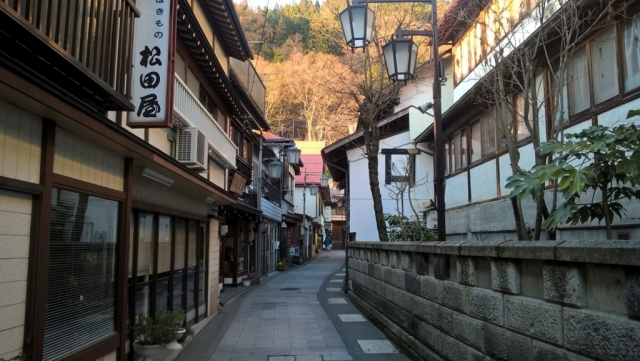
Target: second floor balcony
x,y
250,81
191,113
80,48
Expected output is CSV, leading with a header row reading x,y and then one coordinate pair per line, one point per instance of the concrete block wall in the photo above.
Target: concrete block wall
x,y
503,300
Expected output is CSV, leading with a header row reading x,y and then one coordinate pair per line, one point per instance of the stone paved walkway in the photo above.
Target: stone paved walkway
x,y
295,316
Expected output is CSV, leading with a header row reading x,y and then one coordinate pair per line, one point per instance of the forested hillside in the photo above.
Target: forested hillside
x,y
311,76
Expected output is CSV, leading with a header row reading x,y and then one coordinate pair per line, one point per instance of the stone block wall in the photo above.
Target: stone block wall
x,y
503,300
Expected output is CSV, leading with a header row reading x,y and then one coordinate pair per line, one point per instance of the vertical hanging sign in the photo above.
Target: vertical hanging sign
x,y
153,55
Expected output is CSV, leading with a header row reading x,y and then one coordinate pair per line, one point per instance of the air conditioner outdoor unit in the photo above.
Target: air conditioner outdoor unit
x,y
192,147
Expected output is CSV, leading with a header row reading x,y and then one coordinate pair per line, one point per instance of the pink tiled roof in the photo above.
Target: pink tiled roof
x,y
313,167
270,137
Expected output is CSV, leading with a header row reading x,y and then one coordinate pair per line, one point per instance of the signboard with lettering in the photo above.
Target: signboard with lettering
x,y
237,184
152,78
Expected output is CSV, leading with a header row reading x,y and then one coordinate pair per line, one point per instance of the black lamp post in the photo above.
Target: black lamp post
x,y
400,58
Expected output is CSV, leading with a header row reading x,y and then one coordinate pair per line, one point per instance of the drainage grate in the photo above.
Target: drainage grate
x,y
290,289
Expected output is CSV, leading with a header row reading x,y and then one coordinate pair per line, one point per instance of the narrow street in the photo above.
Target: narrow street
x,y
298,315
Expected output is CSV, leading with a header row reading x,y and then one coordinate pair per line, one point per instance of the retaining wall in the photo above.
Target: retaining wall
x,y
505,300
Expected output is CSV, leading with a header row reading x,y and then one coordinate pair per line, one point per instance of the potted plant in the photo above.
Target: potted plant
x,y
147,335
171,329
282,266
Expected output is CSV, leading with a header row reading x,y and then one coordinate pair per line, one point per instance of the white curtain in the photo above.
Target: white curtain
x,y
632,53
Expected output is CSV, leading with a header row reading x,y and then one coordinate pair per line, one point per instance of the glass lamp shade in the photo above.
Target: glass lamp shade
x,y
275,169
340,203
293,156
313,189
400,56
357,25
324,181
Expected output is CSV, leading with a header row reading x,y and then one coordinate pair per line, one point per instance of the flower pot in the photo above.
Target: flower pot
x,y
281,267
146,351
174,345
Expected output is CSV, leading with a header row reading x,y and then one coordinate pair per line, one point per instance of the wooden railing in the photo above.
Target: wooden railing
x,y
94,34
249,80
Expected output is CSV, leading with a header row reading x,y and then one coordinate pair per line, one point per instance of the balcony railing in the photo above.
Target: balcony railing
x,y
271,192
94,36
250,81
191,113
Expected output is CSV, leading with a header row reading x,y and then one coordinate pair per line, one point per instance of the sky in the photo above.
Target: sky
x,y
262,3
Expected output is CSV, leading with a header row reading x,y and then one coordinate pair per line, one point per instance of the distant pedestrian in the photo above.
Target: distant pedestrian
x,y
328,242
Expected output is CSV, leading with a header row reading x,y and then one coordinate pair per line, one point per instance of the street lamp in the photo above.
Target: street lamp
x,y
275,169
313,189
400,57
357,24
293,156
324,181
400,60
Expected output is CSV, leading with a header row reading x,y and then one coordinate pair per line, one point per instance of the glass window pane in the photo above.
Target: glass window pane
x,y
632,53
145,247
143,301
561,102
177,304
228,253
578,82
463,148
179,245
162,295
164,245
604,68
201,286
81,281
191,287
241,249
455,143
193,242
447,161
488,134
131,248
475,142
522,131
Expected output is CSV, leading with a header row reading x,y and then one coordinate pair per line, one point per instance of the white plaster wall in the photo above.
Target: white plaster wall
x,y
20,143
527,161
618,116
456,193
78,158
515,38
15,226
362,213
420,91
217,174
484,184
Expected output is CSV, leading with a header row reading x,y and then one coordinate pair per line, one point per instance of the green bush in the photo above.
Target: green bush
x,y
402,229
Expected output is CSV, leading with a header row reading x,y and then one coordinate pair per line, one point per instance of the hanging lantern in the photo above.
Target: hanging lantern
x,y
293,156
275,169
400,57
324,181
357,25
313,189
